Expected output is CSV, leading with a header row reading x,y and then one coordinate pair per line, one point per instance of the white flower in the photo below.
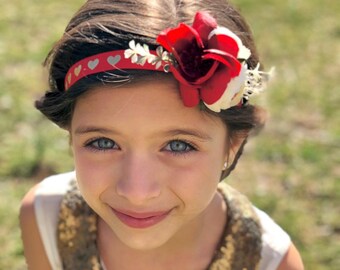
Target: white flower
x,y
244,52
131,53
139,54
233,93
157,60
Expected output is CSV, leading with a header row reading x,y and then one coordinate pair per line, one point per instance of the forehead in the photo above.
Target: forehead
x,y
148,104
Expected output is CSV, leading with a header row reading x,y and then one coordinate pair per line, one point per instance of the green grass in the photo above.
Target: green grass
x,y
291,170
11,192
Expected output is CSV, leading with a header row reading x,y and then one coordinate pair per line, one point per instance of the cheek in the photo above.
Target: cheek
x,y
93,175
196,185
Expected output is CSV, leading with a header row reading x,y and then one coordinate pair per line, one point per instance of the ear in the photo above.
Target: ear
x,y
70,141
234,144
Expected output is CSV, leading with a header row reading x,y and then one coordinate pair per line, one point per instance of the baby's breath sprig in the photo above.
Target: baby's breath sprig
x,y
140,54
256,81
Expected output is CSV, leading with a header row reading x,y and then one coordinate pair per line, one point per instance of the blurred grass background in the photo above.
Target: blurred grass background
x,y
292,170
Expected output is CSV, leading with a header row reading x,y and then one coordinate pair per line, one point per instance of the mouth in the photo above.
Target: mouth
x,y
140,220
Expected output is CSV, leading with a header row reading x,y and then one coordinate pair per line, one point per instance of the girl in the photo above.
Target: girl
x,y
154,95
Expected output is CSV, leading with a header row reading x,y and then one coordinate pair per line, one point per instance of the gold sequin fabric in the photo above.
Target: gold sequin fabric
x,y
239,249
241,245
77,233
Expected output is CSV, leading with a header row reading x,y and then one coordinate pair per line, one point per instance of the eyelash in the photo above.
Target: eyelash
x,y
184,152
189,147
90,145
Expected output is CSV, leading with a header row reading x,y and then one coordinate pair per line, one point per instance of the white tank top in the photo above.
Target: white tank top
x,y
275,241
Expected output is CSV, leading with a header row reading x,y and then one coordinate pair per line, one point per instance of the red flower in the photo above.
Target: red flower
x,y
206,61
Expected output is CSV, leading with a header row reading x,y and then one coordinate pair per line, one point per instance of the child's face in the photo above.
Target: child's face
x,y
145,163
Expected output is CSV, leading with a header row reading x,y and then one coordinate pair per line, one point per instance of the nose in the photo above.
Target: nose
x,y
138,182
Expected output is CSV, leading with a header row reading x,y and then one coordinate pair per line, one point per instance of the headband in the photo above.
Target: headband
x,y
208,61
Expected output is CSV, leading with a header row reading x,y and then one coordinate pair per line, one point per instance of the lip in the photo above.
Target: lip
x,y
140,220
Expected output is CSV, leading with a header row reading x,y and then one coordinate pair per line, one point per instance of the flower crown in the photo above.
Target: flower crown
x,y
208,61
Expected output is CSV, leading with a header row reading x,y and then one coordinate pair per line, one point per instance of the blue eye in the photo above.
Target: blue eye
x,y
102,144
178,146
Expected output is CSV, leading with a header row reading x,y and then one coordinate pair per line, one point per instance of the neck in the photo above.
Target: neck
x,y
194,245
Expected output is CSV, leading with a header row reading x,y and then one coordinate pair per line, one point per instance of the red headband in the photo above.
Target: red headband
x,y
102,62
208,61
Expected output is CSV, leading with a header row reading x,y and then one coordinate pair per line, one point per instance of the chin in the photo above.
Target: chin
x,y
143,242
143,239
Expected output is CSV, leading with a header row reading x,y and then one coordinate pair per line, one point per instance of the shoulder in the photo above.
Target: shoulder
x,y
292,260
35,255
38,213
55,184
45,199
278,252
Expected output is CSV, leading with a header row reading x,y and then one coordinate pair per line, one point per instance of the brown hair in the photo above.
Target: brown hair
x,y
106,25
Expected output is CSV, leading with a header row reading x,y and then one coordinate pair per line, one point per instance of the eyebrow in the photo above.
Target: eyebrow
x,y
93,129
172,132
189,132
